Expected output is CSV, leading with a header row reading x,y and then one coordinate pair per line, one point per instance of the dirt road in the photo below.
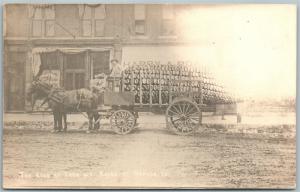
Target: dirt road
x,y
147,157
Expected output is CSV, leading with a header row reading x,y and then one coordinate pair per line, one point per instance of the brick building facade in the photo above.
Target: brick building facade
x,y
78,41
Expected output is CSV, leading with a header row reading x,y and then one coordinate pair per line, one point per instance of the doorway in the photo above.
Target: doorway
x,y
75,71
15,81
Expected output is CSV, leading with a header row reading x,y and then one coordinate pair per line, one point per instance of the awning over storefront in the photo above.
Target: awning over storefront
x,y
35,55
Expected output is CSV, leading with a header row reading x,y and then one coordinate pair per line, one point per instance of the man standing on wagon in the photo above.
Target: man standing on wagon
x,y
116,69
116,74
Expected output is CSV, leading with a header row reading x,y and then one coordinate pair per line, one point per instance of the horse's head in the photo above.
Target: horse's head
x,y
35,92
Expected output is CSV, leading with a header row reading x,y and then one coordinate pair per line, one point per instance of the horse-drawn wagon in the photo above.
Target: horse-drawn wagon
x,y
182,113
178,92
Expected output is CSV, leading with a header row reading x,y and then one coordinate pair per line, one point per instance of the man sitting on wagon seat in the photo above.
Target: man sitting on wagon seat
x,y
115,75
98,84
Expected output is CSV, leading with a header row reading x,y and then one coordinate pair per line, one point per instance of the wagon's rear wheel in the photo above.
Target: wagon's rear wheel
x,y
122,121
183,116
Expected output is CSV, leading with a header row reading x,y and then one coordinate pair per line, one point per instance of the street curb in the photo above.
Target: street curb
x,y
271,130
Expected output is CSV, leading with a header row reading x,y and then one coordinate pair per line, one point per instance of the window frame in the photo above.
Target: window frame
x,y
95,29
164,20
82,28
140,20
43,20
33,28
93,21
46,32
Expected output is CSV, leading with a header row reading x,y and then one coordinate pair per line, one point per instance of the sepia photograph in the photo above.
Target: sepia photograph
x,y
149,96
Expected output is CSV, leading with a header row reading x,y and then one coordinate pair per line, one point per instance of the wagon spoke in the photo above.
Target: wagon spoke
x,y
187,118
191,110
181,108
195,119
176,109
188,108
174,116
122,121
173,112
192,114
176,120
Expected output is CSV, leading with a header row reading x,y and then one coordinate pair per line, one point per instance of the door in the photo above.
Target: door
x,y
100,62
15,82
75,71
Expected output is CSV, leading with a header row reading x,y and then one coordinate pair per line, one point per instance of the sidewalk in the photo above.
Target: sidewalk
x,y
145,118
271,125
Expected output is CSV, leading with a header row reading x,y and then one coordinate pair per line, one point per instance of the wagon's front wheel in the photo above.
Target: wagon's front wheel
x,y
183,116
122,121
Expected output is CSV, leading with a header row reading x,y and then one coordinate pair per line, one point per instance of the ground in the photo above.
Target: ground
x,y
220,155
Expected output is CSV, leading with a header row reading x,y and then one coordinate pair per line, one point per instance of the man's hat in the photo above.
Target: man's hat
x,y
100,76
116,60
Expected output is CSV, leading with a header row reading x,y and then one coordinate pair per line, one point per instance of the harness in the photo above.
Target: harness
x,y
80,98
52,95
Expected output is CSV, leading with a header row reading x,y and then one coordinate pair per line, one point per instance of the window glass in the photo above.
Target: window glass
x,y
49,27
100,62
140,27
68,81
79,80
168,24
75,61
37,13
140,16
100,12
50,61
99,27
139,12
87,12
37,28
86,27
50,13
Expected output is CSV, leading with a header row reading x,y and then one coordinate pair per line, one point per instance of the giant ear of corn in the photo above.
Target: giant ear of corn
x,y
153,84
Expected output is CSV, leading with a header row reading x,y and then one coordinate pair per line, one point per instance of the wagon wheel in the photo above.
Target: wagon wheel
x,y
183,116
122,121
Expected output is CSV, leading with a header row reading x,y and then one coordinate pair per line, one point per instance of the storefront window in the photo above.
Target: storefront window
x,y
50,68
72,69
50,61
75,61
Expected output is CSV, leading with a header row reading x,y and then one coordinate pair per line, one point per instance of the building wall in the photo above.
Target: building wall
x,y
119,32
119,21
68,17
16,21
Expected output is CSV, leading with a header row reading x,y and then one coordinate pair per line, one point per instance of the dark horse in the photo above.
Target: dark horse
x,y
62,102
